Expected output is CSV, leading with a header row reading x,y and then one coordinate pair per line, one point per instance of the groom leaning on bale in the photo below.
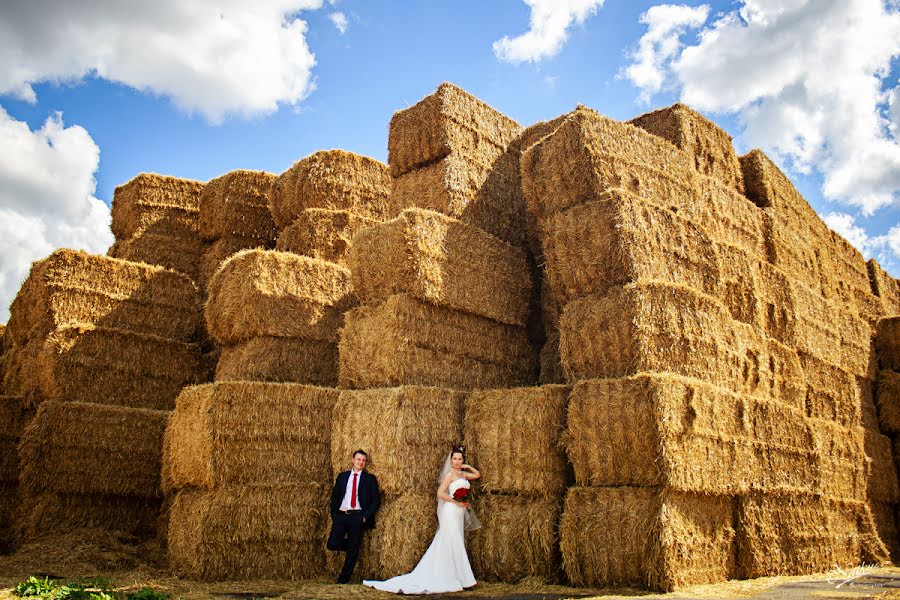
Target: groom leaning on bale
x,y
354,501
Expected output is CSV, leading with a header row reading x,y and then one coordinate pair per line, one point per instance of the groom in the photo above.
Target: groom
x,y
354,500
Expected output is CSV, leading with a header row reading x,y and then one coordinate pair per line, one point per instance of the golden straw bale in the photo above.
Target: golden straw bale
x,y
52,512
776,302
742,286
406,525
122,456
831,393
323,233
848,273
729,215
440,260
589,154
883,486
887,399
215,253
653,429
14,414
551,369
237,203
279,359
657,326
592,247
793,253
513,434
148,198
176,252
707,143
449,121
518,538
868,412
883,514
70,287
108,366
408,342
887,343
248,532
646,537
249,433
332,179
8,508
266,292
406,431
839,467
885,287
796,534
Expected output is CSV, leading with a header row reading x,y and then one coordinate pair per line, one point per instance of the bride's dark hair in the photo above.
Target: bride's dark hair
x,y
460,449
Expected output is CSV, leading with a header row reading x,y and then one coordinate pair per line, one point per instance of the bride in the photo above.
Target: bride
x,y
445,565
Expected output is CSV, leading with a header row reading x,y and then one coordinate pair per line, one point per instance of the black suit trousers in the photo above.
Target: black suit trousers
x,y
345,536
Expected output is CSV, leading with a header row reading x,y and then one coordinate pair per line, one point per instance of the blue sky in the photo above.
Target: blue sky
x,y
155,106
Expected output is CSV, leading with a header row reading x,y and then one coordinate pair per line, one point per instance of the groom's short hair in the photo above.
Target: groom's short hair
x,y
360,451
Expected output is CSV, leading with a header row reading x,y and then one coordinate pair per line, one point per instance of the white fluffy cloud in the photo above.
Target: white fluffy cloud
x,y
883,248
46,198
806,79
549,24
340,21
215,57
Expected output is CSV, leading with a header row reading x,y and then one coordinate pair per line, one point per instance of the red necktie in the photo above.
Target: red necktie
x,y
353,492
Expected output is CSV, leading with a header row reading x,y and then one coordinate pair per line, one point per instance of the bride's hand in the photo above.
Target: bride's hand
x,y
464,505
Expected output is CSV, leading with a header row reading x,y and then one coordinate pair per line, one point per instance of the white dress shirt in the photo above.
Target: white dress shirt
x,y
345,504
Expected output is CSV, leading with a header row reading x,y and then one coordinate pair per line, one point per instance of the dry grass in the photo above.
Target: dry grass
x,y
237,204
170,249
266,292
883,486
646,537
332,179
840,468
883,514
832,393
243,433
887,343
885,287
14,414
442,261
406,431
215,253
322,233
408,342
149,198
71,287
887,398
518,464
279,359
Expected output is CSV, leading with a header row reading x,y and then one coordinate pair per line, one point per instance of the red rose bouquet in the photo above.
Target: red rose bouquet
x,y
461,494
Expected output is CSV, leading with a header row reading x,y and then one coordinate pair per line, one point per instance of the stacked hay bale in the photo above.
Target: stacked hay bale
x,y
103,346
887,399
665,289
155,219
13,416
246,470
513,435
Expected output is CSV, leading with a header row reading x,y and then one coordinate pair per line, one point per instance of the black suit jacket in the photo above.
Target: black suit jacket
x,y
366,490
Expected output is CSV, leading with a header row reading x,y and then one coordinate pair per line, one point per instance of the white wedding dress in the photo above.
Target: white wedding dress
x,y
445,565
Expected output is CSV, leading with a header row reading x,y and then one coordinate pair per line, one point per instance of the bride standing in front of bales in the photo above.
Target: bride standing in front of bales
x,y
445,565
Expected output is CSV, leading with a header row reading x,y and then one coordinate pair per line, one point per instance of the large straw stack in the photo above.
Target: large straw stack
x,y
884,450
155,219
671,280
246,472
277,315
13,416
513,436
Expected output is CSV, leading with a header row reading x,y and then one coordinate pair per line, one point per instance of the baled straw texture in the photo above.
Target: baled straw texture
x,y
53,512
248,532
840,467
94,449
729,215
886,527
831,392
8,507
887,398
796,534
237,204
788,250
109,366
448,121
248,433
266,292
664,430
869,414
406,431
592,247
518,538
13,416
589,154
442,261
883,486
323,233
150,198
646,537
70,287
663,327
707,143
215,253
551,369
408,342
887,343
885,287
177,252
279,359
513,434
332,179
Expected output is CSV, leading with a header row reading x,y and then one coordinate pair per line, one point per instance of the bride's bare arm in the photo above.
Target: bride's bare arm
x,y
445,485
473,473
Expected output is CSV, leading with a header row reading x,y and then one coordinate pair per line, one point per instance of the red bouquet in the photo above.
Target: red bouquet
x,y
461,494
